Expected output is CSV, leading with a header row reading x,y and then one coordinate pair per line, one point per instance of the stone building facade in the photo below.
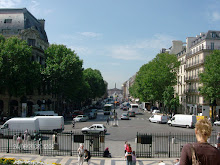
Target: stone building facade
x,y
22,24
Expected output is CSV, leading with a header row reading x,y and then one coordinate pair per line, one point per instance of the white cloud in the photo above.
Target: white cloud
x,y
140,50
125,53
9,3
90,34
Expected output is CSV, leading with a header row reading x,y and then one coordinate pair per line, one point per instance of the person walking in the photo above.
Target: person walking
x,y
201,151
107,121
128,155
25,135
218,141
177,162
19,142
80,154
87,156
73,124
126,144
133,158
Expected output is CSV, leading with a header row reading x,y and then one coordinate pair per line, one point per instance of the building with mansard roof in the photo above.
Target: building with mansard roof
x,y
21,23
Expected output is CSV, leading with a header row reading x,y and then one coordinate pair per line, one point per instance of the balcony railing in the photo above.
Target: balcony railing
x,y
192,91
206,47
194,64
196,77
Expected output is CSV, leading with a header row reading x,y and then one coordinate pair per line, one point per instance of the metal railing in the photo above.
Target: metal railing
x,y
52,143
165,145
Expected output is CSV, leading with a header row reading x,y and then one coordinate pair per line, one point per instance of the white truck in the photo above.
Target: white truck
x,y
183,120
134,108
20,125
50,123
158,118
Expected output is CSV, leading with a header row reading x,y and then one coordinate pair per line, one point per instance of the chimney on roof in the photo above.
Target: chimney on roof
x,y
42,21
201,34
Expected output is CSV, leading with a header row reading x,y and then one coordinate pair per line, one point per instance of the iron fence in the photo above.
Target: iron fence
x,y
160,145
51,143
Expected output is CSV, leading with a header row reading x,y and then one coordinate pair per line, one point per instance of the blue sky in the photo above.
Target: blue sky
x,y
118,36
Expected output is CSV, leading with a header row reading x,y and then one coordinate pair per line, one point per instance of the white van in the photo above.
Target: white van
x,y
19,125
51,123
183,120
45,113
134,108
158,118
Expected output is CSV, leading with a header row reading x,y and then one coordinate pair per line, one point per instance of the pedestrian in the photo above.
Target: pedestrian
x,y
128,155
201,151
80,154
177,162
25,134
87,156
161,163
19,142
218,141
107,122
73,123
133,158
126,144
106,153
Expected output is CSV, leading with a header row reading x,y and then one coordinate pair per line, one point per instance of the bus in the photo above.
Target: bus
x,y
107,109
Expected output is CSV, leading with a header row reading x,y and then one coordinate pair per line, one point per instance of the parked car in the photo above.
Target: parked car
x,y
95,128
158,118
155,111
80,118
217,123
131,113
125,108
124,116
183,120
76,113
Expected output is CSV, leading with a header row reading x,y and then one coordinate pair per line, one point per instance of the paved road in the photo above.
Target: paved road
x,y
67,160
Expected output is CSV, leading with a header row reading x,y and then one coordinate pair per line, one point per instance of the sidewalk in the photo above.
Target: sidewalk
x,y
68,160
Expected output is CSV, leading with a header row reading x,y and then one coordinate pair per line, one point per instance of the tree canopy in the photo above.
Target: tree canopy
x,y
210,78
19,75
153,77
64,71
95,80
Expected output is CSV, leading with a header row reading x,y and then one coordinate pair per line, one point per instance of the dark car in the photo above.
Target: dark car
x,y
76,113
131,114
125,108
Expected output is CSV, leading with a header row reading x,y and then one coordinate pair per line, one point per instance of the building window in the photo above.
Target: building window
x,y
7,20
31,42
213,35
212,45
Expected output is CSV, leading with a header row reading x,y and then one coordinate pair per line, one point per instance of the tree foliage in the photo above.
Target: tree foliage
x,y
19,75
64,71
153,77
95,80
170,102
210,78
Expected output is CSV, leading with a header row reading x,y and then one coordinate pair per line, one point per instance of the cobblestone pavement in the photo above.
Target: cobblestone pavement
x,y
67,160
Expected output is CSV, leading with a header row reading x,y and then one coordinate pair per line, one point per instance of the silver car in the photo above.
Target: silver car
x,y
80,118
124,116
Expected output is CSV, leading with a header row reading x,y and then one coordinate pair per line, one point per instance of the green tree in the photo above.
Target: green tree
x,y
64,72
170,102
96,82
210,78
153,77
19,75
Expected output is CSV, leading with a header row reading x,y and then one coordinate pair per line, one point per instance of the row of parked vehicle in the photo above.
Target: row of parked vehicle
x,y
182,120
